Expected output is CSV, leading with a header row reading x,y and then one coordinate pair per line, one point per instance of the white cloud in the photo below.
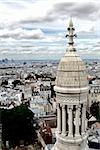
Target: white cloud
x,y
20,33
21,22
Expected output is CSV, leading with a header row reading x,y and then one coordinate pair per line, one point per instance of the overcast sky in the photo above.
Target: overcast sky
x,y
36,29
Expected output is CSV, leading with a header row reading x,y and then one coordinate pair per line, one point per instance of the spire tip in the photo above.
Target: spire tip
x,y
71,34
70,22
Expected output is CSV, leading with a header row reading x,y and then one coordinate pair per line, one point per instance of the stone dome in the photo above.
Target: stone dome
x,y
71,73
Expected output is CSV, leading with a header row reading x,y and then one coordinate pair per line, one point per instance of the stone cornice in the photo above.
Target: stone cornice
x,y
71,90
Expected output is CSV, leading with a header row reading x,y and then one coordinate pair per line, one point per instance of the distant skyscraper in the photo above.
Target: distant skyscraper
x,y
71,93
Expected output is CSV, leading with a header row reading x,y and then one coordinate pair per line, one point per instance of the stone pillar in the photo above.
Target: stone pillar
x,y
58,118
63,120
83,118
70,122
77,121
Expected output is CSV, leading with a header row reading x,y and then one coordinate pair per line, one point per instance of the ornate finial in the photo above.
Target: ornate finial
x,y
70,33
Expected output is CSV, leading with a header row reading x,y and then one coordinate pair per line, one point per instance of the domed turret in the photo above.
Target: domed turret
x,y
71,89
71,73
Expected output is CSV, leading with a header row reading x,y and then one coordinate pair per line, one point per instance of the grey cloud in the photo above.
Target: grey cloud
x,y
80,10
47,18
86,10
27,46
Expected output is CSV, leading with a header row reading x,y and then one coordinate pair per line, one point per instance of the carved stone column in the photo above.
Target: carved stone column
x,y
63,120
77,121
70,123
83,118
58,118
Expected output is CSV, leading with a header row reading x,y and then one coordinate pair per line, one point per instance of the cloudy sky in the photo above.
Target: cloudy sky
x,y
36,29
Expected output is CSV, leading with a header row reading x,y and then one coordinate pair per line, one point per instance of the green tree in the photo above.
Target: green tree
x,y
18,124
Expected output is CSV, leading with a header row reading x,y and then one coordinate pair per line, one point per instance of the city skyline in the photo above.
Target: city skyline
x,y
36,29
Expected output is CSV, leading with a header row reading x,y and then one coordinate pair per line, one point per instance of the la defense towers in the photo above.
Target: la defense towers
x,y
71,89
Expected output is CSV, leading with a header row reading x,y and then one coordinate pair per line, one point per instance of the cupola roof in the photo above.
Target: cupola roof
x,y
71,73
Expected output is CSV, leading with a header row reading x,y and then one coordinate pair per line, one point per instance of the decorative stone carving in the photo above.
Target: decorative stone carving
x,y
71,98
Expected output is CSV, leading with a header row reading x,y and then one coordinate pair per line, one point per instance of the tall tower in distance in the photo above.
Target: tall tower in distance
x,y
71,89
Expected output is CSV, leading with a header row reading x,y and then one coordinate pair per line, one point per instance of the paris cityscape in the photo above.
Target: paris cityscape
x,y
49,75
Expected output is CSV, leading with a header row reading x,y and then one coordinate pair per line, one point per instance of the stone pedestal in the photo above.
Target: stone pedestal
x,y
70,145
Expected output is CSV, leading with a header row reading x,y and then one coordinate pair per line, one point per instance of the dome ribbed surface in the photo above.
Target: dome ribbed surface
x,y
71,72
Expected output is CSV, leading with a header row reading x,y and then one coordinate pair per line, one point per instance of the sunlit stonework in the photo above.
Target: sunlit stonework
x,y
71,94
